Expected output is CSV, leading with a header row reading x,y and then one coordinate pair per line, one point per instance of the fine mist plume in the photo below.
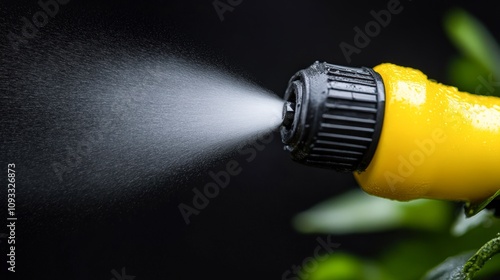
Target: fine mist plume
x,y
93,123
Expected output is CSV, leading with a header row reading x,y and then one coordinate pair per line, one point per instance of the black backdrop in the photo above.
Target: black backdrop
x,y
245,232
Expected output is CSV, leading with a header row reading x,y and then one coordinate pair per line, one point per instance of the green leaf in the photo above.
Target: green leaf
x,y
473,39
358,212
472,208
345,266
464,224
484,254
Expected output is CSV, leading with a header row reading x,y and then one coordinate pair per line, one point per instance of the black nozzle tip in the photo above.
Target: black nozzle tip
x,y
333,115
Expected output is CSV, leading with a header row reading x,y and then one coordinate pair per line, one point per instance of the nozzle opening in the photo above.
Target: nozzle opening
x,y
291,110
332,116
289,113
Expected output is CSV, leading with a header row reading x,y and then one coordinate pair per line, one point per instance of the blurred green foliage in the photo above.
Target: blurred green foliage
x,y
434,232
477,68
372,214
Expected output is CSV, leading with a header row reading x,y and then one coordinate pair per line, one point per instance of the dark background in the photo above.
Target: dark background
x,y
245,232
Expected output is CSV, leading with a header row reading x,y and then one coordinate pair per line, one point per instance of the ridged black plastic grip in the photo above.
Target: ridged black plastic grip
x,y
338,118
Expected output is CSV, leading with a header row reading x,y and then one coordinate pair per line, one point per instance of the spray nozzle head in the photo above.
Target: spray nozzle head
x,y
332,116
